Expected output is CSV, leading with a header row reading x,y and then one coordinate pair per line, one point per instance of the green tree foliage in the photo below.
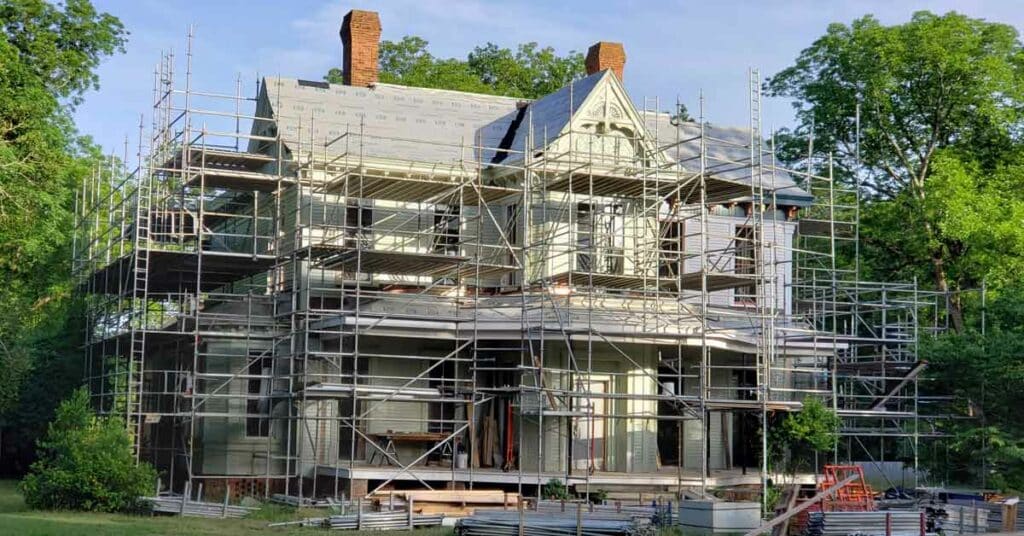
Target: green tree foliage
x,y
530,71
86,463
48,56
940,100
985,374
801,434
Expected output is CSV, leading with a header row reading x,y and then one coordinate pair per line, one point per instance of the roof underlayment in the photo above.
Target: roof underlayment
x,y
434,126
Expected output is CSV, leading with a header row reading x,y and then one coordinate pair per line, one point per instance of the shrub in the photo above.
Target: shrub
x,y
815,428
555,490
86,463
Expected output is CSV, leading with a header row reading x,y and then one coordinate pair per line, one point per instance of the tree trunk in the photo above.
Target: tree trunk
x,y
955,311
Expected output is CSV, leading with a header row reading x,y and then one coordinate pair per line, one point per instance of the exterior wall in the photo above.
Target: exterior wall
x,y
630,441
720,425
225,448
721,231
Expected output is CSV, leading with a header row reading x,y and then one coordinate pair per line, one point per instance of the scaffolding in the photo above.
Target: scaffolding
x,y
283,310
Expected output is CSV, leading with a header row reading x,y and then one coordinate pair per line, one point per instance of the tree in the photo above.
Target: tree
x,y
86,463
528,72
985,373
800,434
48,56
940,101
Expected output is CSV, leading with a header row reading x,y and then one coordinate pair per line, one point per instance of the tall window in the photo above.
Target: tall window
x,y
671,247
446,230
257,420
512,235
600,234
744,265
358,223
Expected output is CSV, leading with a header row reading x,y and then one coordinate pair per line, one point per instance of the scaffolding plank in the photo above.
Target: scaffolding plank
x,y
172,271
689,281
686,187
404,263
416,189
825,228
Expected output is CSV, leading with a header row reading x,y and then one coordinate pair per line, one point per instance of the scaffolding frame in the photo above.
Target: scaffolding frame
x,y
237,277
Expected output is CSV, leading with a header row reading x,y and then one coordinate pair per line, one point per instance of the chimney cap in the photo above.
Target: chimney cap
x,y
604,55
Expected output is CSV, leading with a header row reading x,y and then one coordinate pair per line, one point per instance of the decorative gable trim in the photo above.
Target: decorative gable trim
x,y
609,130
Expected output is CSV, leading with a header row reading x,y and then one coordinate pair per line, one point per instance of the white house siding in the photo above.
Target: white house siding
x,y
224,447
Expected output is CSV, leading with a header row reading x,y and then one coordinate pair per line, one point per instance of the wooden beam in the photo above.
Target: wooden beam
x,y
911,374
803,506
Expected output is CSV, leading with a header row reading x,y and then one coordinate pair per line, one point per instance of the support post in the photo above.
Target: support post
x,y
227,497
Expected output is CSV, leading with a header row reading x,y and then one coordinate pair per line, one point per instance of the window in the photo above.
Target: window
x,y
743,265
257,420
512,230
446,230
600,234
358,223
671,234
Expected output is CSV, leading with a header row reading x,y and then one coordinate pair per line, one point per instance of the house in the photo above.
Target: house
x,y
376,285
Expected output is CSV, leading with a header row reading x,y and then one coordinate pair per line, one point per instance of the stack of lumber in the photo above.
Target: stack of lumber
x,y
453,503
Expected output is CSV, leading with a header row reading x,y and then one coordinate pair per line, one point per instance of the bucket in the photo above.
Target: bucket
x,y
461,461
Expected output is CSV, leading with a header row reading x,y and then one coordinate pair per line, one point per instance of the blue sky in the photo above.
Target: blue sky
x,y
674,48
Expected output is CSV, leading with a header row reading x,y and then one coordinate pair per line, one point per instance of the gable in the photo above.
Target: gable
x,y
608,130
592,119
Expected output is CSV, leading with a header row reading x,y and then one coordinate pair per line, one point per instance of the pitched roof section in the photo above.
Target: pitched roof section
x,y
550,115
432,126
405,123
732,145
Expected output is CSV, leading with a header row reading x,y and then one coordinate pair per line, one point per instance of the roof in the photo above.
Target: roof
x,y
423,125
436,126
729,144
550,114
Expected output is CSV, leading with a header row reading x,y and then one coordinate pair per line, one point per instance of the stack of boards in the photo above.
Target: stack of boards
x,y
453,503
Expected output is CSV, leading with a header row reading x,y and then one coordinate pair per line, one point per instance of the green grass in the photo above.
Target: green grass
x,y
16,518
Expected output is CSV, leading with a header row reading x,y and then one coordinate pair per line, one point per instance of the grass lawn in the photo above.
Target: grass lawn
x,y
16,518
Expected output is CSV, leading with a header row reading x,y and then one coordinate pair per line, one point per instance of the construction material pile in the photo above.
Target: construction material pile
x,y
452,503
615,510
394,520
306,502
177,504
554,523
899,523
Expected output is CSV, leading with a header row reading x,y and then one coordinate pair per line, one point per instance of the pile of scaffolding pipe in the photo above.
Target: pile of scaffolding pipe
x,y
505,523
959,519
306,502
612,510
171,504
383,521
369,521
899,523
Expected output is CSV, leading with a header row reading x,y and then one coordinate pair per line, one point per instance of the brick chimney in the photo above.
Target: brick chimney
x,y
360,37
606,55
